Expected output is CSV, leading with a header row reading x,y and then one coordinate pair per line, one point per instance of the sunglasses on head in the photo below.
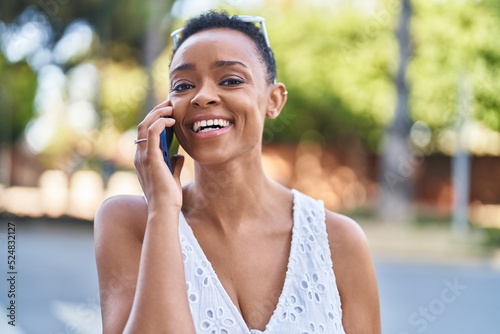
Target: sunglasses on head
x,y
244,18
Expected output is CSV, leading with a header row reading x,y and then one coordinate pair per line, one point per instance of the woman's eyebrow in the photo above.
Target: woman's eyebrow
x,y
217,64
183,67
224,63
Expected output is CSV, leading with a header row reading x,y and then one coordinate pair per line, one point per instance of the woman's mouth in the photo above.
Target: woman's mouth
x,y
210,125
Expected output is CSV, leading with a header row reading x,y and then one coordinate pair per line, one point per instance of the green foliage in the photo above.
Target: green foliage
x,y
17,93
492,236
123,93
121,21
452,39
339,64
338,69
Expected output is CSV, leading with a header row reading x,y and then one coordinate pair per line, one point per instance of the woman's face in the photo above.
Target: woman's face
x,y
219,95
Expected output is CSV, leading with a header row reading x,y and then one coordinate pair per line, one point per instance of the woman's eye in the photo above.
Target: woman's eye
x,y
231,82
182,87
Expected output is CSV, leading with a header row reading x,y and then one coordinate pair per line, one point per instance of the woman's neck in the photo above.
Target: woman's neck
x,y
235,192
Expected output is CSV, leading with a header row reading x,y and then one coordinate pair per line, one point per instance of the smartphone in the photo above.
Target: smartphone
x,y
166,138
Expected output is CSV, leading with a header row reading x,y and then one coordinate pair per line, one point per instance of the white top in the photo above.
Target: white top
x,y
309,302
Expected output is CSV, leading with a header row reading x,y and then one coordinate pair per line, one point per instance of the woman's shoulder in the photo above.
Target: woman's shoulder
x,y
354,273
122,213
345,235
123,203
350,251
343,231
348,243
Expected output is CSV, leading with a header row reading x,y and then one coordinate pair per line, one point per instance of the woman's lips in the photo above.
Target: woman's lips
x,y
210,128
207,125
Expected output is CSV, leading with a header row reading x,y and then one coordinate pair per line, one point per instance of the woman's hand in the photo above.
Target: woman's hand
x,y
143,241
162,189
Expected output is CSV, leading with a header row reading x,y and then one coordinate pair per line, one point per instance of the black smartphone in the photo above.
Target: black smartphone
x,y
166,138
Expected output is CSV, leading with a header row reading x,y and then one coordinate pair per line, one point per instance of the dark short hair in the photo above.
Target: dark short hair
x,y
220,19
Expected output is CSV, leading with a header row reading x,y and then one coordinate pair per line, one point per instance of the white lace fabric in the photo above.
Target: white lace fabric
x,y
309,302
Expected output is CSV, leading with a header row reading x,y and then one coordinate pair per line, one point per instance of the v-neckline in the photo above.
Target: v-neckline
x,y
222,290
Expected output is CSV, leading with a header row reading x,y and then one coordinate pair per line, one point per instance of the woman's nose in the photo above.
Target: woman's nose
x,y
205,96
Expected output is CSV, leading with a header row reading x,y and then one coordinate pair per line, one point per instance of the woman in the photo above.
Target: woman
x,y
233,251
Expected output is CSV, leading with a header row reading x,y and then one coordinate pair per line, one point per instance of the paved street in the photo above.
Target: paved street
x,y
56,287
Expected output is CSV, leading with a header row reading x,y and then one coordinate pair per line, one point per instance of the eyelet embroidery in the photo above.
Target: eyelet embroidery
x,y
216,322
187,250
204,273
331,313
290,308
314,328
313,286
192,296
309,302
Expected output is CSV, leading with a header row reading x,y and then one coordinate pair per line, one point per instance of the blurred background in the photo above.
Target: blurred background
x,y
393,118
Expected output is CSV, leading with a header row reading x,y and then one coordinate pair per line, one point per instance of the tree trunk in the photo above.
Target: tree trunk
x,y
5,165
397,164
460,163
6,140
155,40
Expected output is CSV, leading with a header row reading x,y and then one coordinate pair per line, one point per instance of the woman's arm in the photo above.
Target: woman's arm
x,y
142,282
355,275
140,242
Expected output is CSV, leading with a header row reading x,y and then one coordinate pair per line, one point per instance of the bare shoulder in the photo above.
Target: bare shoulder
x,y
355,274
345,235
119,229
124,213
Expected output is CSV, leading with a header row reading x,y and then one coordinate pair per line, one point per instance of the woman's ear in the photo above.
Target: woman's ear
x,y
277,100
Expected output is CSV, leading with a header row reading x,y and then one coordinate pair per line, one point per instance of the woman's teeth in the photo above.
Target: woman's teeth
x,y
210,125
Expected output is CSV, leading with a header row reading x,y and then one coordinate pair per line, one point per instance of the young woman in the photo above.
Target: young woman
x,y
233,251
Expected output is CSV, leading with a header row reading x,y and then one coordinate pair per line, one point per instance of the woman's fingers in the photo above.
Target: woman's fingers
x,y
149,151
151,118
154,131
162,105
163,109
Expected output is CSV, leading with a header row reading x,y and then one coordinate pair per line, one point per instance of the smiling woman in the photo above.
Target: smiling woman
x,y
233,251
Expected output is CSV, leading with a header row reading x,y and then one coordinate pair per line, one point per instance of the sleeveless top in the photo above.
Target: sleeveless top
x,y
309,301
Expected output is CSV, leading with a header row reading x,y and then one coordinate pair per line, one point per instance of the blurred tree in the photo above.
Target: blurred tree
x,y
127,37
17,92
123,92
396,172
339,62
341,68
337,65
115,21
155,40
451,38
